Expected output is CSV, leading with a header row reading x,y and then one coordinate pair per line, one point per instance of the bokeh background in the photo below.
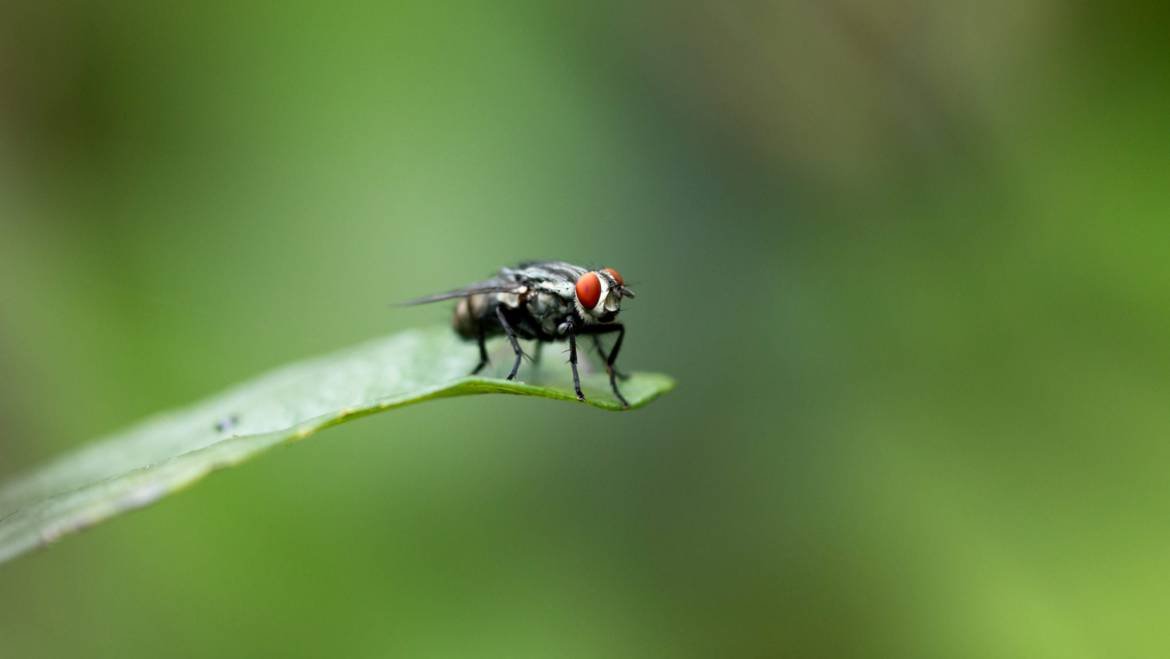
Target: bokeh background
x,y
907,260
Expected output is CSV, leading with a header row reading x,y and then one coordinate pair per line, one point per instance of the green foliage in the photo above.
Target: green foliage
x,y
172,450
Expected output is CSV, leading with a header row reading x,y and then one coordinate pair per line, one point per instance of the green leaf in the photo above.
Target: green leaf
x,y
172,450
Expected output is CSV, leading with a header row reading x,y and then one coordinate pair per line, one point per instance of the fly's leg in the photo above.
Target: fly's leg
x,y
609,363
613,354
483,356
570,331
536,352
573,365
609,368
511,339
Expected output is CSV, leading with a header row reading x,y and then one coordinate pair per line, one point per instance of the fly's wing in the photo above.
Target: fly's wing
x,y
497,285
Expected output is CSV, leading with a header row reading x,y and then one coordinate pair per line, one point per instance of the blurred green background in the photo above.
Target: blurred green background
x,y
907,260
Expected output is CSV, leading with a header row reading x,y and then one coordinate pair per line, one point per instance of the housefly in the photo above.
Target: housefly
x,y
543,301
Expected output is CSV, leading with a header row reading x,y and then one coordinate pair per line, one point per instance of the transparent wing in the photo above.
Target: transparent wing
x,y
488,286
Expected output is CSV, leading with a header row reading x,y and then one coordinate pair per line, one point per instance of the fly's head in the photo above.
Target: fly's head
x,y
599,295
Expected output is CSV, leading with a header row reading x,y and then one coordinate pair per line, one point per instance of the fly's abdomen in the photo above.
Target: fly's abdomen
x,y
469,314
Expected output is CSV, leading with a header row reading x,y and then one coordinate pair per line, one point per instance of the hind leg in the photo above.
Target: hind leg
x,y
483,356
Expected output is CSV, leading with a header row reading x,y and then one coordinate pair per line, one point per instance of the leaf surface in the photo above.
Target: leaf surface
x,y
171,450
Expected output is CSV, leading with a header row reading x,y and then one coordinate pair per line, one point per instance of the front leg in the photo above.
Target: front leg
x,y
609,368
612,358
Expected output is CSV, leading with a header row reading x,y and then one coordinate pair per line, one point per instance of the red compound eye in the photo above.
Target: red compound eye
x,y
616,277
589,289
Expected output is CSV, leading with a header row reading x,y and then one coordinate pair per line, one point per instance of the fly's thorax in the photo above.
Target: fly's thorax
x,y
548,309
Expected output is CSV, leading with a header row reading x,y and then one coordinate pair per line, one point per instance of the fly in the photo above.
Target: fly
x,y
543,301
